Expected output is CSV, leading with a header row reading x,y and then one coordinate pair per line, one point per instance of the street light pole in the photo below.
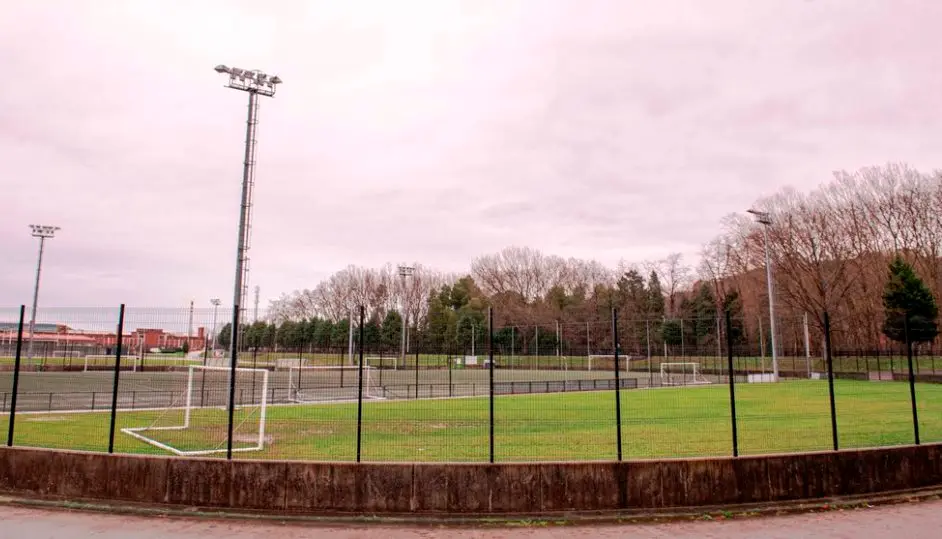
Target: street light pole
x,y
42,232
216,302
404,271
255,83
765,220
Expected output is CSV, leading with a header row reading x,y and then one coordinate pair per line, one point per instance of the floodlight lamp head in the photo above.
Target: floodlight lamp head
x,y
43,231
250,80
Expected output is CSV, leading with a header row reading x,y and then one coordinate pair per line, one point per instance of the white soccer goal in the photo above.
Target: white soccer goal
x,y
682,374
73,354
609,359
106,362
203,428
332,383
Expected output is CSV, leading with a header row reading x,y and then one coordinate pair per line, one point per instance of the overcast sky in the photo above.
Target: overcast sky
x,y
430,131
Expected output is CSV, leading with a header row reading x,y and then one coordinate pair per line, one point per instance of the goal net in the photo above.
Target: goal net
x,y
333,383
197,421
681,374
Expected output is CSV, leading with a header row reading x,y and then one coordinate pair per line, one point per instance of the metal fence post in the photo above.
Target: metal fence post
x,y
360,389
117,373
234,360
490,369
830,365
16,374
912,378
416,339
732,382
617,382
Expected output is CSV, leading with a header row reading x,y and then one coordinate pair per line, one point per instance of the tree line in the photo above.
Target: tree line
x,y
831,250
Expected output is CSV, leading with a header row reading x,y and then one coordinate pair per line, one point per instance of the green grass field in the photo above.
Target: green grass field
x,y
665,423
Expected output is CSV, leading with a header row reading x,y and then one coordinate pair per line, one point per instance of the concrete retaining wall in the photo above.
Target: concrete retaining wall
x,y
539,488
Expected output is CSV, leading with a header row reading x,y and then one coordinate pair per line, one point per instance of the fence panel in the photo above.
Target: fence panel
x,y
787,414
297,385
873,405
561,406
54,387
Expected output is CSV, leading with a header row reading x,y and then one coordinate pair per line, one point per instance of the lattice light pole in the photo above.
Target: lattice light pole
x,y
765,220
255,83
42,232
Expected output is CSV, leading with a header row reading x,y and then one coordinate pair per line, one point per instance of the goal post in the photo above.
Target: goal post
x,y
682,374
198,423
314,384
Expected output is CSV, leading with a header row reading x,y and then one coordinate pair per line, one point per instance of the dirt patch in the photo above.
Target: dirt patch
x,y
47,418
249,439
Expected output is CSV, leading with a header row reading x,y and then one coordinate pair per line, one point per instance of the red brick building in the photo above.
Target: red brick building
x,y
49,338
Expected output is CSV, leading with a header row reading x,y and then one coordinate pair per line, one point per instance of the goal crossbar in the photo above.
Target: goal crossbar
x,y
137,432
326,386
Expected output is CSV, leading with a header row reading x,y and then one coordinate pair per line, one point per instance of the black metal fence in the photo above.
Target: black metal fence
x,y
600,390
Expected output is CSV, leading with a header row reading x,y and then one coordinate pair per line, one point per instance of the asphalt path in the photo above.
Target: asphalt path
x,y
918,520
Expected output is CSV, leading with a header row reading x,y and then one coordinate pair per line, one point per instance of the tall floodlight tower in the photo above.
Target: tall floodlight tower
x,y
42,232
764,219
255,83
404,271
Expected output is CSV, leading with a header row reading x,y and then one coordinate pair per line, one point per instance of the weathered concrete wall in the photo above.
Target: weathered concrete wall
x,y
375,488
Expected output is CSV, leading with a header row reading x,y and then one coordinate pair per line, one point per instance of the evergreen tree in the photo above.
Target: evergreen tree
x,y
340,332
700,311
671,332
392,331
906,297
632,296
225,336
732,302
322,333
438,319
655,311
372,334
655,298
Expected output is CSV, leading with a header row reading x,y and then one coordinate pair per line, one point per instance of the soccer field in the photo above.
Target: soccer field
x,y
665,422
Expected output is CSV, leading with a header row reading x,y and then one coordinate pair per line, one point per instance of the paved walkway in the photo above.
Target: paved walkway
x,y
907,521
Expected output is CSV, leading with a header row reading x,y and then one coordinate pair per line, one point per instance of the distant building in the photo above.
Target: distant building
x,y
56,339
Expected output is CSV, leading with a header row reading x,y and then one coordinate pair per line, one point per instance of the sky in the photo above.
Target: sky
x,y
430,131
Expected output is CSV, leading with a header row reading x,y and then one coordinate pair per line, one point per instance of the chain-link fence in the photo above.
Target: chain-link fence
x,y
164,382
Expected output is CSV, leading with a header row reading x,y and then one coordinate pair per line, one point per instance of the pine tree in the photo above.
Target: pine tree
x,y
733,303
655,297
907,298
392,330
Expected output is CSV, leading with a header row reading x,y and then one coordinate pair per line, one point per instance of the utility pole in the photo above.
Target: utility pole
x,y
216,302
42,232
255,314
189,327
404,271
